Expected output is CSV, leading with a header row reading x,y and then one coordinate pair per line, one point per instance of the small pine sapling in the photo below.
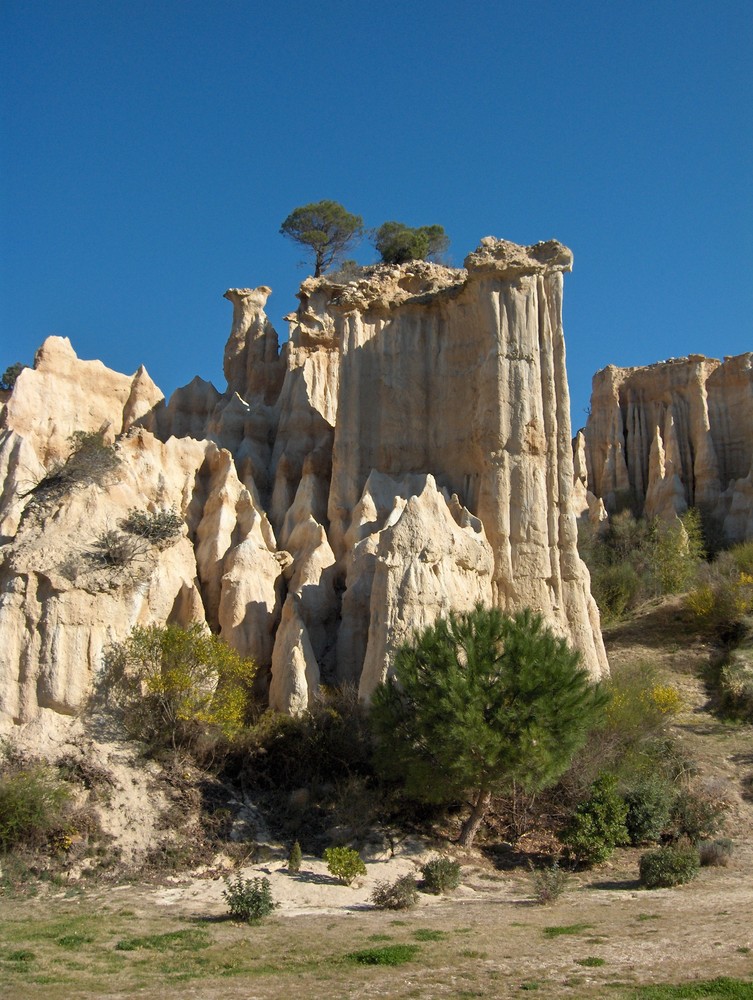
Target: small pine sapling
x,y
294,859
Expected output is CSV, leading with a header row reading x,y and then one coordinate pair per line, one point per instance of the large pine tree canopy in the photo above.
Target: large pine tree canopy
x,y
480,701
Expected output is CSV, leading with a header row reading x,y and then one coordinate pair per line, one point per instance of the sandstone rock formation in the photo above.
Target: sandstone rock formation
x,y
674,435
406,453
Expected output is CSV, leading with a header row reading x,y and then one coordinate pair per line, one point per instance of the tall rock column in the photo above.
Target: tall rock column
x,y
461,375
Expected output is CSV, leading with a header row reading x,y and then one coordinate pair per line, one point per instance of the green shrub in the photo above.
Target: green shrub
x,y
294,858
616,590
649,806
32,805
635,742
677,551
175,686
344,863
723,594
248,899
715,853
398,243
9,376
598,825
327,744
548,884
669,866
401,894
635,558
481,702
697,814
440,875
742,556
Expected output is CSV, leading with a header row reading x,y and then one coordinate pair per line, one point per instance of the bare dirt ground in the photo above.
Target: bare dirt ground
x,y
605,937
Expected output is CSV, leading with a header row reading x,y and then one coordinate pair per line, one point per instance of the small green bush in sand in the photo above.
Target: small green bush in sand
x,y
249,900
344,863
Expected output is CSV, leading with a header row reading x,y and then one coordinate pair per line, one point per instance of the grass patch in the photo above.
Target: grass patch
x,y
171,941
648,916
390,954
379,937
22,956
74,941
722,988
428,934
591,961
558,930
474,954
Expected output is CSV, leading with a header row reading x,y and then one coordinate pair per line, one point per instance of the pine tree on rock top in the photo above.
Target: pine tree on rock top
x,y
398,243
326,229
480,701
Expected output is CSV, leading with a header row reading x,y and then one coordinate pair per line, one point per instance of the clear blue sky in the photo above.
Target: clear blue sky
x,y
153,147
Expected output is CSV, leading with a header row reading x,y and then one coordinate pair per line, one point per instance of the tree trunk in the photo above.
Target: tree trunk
x,y
474,821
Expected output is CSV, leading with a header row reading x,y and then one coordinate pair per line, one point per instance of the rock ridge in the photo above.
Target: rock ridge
x,y
406,452
673,435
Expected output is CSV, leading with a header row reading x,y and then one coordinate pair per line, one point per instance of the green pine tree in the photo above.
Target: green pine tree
x,y
326,229
294,858
480,701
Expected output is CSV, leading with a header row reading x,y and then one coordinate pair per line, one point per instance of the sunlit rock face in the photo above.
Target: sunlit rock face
x,y
407,453
674,435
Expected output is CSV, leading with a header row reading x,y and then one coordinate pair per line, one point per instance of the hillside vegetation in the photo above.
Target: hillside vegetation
x,y
661,794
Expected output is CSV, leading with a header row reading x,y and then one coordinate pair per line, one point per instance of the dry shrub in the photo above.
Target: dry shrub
x,y
402,894
715,853
548,884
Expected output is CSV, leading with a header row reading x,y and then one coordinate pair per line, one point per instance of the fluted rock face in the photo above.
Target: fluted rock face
x,y
59,396
674,435
406,453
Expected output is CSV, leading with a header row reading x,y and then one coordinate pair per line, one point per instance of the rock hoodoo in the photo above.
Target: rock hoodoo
x,y
674,435
406,453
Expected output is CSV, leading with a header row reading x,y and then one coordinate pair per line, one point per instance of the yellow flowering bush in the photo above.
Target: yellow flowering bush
x,y
665,697
174,684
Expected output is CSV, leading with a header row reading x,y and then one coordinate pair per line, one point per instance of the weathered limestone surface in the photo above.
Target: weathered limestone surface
x,y
431,557
674,435
60,607
406,453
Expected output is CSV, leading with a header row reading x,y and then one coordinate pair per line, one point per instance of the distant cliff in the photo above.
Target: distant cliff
x,y
407,452
674,435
